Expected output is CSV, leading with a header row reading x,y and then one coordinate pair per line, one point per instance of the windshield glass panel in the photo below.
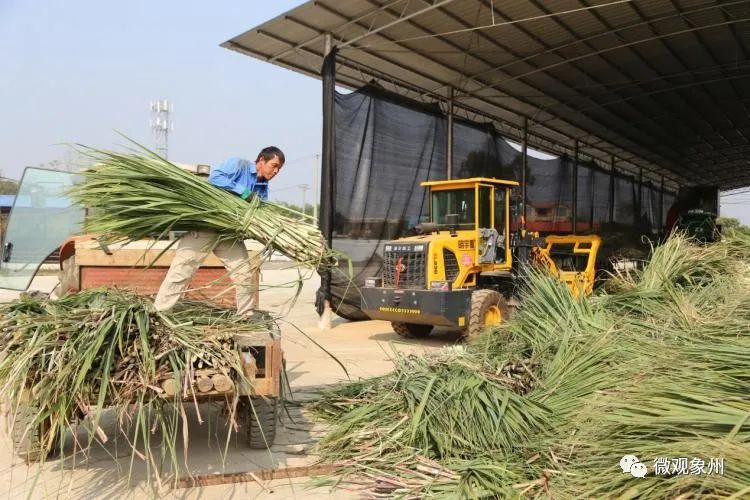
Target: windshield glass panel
x,y
500,209
458,201
42,218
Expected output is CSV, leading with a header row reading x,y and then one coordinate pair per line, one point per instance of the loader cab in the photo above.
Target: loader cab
x,y
476,209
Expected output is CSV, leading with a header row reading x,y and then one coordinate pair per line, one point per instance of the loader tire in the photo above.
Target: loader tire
x,y
260,424
488,309
411,330
28,441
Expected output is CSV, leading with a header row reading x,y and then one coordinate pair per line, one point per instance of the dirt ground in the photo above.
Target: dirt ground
x,y
365,348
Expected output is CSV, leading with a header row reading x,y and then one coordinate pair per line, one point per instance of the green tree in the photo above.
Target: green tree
x,y
8,186
732,223
308,207
728,222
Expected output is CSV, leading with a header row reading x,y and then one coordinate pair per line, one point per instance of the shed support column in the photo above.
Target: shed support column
x,y
449,142
328,159
575,187
612,189
524,168
639,212
592,193
661,208
327,198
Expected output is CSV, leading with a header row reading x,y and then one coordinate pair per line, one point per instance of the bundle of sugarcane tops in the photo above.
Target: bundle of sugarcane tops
x,y
70,358
140,195
657,367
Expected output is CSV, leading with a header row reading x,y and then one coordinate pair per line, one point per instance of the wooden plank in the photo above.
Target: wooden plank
x,y
133,258
252,339
276,365
90,255
265,387
210,284
262,474
137,254
146,255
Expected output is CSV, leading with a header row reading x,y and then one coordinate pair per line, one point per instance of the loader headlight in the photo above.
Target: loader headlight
x,y
441,286
373,282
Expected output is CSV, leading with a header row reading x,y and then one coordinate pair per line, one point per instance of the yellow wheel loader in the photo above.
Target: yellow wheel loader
x,y
464,266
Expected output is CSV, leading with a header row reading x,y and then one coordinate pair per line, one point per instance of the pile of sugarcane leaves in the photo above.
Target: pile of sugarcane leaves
x,y
546,406
70,358
138,194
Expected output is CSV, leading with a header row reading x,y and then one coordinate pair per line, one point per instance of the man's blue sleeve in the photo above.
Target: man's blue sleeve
x,y
225,176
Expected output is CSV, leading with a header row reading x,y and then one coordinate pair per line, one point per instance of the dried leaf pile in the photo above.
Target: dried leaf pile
x,y
70,358
547,405
138,195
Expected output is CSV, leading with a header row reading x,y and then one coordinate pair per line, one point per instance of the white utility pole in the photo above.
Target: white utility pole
x,y
305,188
161,125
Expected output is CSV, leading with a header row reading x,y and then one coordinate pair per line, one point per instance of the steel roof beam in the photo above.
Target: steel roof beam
x,y
556,49
707,123
434,61
472,94
678,57
337,28
542,44
658,129
433,5
720,140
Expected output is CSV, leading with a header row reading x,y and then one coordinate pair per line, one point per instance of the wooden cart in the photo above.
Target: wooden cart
x,y
86,264
258,409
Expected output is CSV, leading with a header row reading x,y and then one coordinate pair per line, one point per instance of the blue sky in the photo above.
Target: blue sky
x,y
77,70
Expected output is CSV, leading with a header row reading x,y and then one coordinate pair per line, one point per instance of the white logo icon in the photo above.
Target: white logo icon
x,y
638,470
627,461
630,463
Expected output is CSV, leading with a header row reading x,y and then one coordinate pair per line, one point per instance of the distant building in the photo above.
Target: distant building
x,y
6,203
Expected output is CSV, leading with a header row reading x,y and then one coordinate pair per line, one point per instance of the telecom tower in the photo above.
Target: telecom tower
x,y
161,125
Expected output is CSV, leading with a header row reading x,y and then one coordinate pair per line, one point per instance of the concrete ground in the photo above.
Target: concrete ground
x,y
365,348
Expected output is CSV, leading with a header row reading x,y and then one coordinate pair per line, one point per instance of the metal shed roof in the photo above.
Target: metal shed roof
x,y
660,84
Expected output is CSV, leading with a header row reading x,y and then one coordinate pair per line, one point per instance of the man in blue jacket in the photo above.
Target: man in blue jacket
x,y
245,179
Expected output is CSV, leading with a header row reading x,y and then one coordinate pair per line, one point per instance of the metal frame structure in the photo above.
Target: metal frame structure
x,y
659,84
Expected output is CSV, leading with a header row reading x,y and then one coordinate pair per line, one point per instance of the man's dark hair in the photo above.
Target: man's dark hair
x,y
268,153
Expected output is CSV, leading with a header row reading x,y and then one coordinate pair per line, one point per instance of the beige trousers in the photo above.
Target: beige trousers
x,y
192,250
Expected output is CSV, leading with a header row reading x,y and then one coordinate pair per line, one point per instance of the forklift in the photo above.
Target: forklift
x,y
464,267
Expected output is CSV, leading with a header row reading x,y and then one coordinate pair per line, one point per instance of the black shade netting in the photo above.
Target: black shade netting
x,y
479,151
593,198
667,203
385,148
549,195
650,207
386,145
